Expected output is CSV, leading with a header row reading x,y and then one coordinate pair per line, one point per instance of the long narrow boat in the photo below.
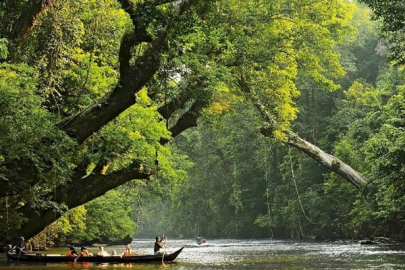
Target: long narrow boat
x,y
99,259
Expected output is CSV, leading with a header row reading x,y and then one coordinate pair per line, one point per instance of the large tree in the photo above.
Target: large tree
x,y
173,61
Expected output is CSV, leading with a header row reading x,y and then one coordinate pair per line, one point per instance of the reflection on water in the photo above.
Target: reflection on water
x,y
249,255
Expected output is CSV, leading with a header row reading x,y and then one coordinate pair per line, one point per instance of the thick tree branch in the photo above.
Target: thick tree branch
x,y
82,125
132,77
167,110
187,120
97,184
327,160
79,192
134,74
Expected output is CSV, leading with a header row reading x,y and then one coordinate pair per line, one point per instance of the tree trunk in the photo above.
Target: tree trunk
x,y
84,124
76,193
132,78
327,160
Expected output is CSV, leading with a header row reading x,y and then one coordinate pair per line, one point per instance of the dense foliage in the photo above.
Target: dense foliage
x,y
243,185
98,99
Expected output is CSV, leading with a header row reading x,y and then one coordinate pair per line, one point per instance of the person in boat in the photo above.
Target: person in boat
x,y
83,253
19,248
203,240
102,252
199,238
72,252
158,245
128,251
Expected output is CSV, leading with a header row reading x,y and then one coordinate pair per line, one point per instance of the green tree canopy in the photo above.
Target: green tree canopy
x,y
111,82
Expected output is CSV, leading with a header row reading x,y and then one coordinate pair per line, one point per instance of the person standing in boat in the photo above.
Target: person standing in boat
x,y
199,238
157,247
158,244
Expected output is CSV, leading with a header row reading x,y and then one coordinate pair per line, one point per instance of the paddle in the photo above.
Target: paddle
x,y
164,246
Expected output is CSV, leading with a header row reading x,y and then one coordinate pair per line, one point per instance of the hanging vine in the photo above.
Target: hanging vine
x,y
296,187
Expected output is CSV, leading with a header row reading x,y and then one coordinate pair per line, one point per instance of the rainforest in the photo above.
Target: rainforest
x,y
227,118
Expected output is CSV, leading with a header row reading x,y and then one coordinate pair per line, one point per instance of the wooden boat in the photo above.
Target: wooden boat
x,y
38,257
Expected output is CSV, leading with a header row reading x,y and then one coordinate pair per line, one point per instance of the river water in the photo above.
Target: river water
x,y
248,255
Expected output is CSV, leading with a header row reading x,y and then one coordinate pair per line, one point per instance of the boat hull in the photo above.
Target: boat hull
x,y
98,259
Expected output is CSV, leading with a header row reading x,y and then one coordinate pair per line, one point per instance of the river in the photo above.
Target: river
x,y
249,255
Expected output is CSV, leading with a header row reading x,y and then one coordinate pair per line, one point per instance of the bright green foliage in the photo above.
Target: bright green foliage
x,y
25,126
268,43
238,184
74,53
371,142
66,228
266,191
363,96
29,135
71,61
134,135
271,42
109,217
386,152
